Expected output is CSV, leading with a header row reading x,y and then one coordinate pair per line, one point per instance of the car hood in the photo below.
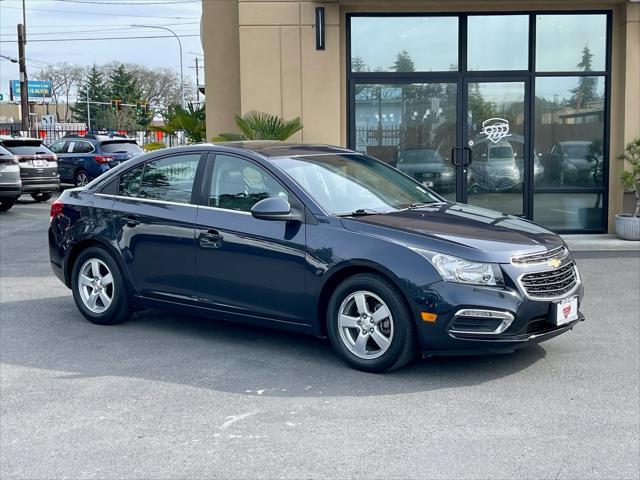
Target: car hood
x,y
462,230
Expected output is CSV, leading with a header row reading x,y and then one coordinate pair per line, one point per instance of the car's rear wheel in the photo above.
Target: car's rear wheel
x,y
41,196
6,204
370,325
81,178
98,287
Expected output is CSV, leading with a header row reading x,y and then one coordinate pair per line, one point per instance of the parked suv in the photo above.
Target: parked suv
x,y
38,166
81,158
10,183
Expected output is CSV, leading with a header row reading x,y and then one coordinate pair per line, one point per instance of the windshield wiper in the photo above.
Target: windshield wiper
x,y
413,206
361,212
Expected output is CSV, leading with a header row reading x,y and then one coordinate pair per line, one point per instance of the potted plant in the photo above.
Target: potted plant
x,y
628,225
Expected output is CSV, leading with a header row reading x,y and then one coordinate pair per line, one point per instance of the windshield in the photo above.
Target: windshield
x,y
576,151
120,147
342,184
420,156
501,152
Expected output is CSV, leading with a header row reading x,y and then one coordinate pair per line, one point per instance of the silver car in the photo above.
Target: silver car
x,y
10,183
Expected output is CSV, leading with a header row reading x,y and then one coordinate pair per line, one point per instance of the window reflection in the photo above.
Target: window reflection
x,y
569,131
498,42
412,127
562,39
404,44
563,211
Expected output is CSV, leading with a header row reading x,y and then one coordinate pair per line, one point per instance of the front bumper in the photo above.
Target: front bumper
x,y
532,319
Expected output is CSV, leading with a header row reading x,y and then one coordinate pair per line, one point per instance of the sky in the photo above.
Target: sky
x,y
72,23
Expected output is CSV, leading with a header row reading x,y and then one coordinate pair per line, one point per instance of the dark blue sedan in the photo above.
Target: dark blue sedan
x,y
81,158
315,239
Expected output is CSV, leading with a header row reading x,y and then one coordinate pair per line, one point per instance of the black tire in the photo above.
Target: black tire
x,y
81,178
41,196
402,348
6,204
118,310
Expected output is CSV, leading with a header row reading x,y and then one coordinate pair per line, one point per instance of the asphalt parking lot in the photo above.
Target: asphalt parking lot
x,y
183,397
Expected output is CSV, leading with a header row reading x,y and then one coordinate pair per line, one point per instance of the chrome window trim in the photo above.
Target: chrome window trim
x,y
550,299
506,317
148,200
560,253
228,210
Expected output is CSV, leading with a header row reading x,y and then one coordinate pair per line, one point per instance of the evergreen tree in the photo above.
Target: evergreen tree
x,y
93,87
403,63
585,92
124,86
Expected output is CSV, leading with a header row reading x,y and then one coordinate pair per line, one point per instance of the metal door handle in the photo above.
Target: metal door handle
x,y
210,239
469,156
453,156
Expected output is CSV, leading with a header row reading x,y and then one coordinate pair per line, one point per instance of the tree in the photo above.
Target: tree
x,y
359,65
124,86
256,125
190,120
585,92
95,89
64,78
403,63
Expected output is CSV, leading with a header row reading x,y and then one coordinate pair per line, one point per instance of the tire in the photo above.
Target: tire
x,y
368,351
95,308
6,204
80,179
41,196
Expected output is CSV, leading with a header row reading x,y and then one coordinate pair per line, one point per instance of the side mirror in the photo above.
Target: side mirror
x,y
275,208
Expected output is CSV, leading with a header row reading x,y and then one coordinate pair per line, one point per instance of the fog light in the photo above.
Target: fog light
x,y
429,317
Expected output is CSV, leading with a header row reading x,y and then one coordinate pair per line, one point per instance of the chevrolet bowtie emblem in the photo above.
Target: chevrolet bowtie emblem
x,y
554,262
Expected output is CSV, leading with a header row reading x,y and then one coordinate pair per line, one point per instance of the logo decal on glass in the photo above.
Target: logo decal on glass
x,y
495,129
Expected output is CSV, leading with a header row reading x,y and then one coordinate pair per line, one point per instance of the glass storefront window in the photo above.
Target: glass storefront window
x,y
569,211
498,42
404,44
410,126
566,43
569,132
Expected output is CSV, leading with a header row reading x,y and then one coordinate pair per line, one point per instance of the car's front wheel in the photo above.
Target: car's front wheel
x,y
41,196
370,325
98,287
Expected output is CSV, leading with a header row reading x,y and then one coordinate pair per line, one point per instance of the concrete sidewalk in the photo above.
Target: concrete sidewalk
x,y
605,242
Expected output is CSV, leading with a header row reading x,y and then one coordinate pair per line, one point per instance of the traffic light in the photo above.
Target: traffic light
x,y
114,105
139,110
146,108
119,104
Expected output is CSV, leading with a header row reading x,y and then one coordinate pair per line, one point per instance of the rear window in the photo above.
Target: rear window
x,y
120,147
29,147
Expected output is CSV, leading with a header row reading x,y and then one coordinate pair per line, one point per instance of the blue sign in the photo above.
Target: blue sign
x,y
37,90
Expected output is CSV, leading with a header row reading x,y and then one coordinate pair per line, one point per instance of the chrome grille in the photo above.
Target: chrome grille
x,y
559,252
551,283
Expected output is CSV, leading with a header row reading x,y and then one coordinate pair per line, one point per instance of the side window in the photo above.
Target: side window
x,y
129,184
58,147
238,184
82,147
170,179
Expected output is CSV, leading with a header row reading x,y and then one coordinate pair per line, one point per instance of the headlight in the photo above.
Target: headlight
x,y
455,269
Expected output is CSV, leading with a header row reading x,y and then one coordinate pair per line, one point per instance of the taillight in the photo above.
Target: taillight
x,y
101,159
6,160
56,209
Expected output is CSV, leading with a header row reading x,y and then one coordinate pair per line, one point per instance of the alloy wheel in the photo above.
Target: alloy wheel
x,y
95,284
81,179
365,324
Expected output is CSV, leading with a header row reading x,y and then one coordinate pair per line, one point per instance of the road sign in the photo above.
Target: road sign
x,y
48,119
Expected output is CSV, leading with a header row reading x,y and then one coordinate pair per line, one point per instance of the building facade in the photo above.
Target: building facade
x,y
522,107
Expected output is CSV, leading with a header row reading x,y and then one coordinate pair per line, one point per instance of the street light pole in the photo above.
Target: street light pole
x,y
180,44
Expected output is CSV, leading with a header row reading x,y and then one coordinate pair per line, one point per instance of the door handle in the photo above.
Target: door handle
x,y
132,220
210,239
469,155
453,156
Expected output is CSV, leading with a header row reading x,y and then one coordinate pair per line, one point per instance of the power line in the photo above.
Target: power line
x,y
153,2
31,34
100,38
74,12
87,25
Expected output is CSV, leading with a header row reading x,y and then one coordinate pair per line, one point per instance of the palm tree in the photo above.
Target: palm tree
x,y
190,120
256,125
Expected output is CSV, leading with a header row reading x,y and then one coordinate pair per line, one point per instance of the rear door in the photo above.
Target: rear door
x,y
154,217
60,148
81,157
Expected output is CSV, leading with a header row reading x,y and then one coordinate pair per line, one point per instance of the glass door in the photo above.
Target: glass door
x,y
412,126
495,145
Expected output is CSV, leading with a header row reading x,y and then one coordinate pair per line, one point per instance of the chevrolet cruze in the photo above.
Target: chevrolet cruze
x,y
315,239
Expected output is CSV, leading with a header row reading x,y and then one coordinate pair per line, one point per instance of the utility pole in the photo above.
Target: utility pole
x,y
197,82
24,85
88,110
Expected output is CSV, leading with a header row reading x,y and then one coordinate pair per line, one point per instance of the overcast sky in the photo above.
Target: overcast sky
x,y
78,21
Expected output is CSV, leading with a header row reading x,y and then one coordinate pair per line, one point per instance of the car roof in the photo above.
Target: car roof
x,y
98,138
274,148
18,139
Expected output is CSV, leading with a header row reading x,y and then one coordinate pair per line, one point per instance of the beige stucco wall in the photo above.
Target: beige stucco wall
x,y
261,55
